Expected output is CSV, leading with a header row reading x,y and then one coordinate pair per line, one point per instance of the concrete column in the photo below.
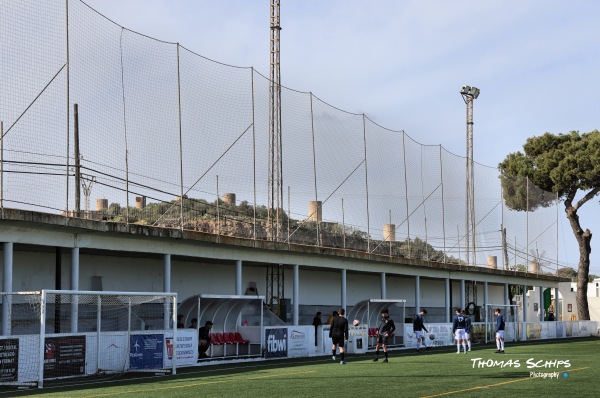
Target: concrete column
x,y
463,301
556,305
524,303
486,300
238,277
167,289
74,286
541,306
343,289
296,294
7,288
417,294
383,287
506,298
167,273
447,301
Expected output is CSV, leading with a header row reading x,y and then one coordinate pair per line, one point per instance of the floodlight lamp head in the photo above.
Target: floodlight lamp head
x,y
474,92
465,90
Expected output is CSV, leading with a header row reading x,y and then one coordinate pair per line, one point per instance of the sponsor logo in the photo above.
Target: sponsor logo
x,y
276,345
296,334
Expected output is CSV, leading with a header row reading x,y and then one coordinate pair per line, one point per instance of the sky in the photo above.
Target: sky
x,y
403,63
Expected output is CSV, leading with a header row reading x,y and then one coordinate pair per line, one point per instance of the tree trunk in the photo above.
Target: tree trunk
x,y
584,242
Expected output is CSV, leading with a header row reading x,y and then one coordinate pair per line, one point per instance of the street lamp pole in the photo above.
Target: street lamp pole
x,y
469,94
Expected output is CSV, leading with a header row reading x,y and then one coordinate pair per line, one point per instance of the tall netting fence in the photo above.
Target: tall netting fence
x,y
165,137
530,217
51,337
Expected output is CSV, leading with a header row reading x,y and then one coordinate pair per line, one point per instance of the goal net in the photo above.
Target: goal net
x,y
52,336
511,323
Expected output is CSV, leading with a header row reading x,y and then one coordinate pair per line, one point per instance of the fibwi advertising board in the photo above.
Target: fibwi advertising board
x,y
277,343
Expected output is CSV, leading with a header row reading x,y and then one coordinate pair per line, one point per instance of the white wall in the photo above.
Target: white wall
x,y
35,271
433,293
362,286
401,288
318,287
568,297
495,294
593,288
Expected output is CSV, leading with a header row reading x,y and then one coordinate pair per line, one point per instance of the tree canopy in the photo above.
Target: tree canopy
x,y
563,164
567,165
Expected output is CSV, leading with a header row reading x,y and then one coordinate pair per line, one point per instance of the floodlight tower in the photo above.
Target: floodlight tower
x,y
469,94
275,272
275,177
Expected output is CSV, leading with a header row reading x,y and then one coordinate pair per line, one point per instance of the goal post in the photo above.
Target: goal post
x,y
52,335
511,322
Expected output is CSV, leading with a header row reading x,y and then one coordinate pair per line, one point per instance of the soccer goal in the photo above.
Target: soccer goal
x,y
511,322
52,335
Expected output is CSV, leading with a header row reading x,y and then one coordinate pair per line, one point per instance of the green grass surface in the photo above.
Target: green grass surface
x,y
438,372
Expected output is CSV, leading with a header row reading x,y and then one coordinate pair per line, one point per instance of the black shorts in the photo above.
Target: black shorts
x,y
381,339
338,340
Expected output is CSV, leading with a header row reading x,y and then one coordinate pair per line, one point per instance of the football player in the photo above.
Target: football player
x,y
458,328
418,327
499,331
386,330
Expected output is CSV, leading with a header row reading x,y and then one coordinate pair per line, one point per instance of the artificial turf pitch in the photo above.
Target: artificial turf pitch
x,y
439,372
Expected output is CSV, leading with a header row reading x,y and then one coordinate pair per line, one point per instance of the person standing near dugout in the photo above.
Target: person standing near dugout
x,y
316,323
386,329
338,332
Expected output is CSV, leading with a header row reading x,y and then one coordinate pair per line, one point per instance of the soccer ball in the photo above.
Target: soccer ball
x,y
432,336
356,322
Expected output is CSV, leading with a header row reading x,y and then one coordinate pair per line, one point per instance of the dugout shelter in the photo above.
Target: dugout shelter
x,y
238,322
367,312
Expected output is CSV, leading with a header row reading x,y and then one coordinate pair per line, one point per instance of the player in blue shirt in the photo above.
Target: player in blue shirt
x,y
467,328
459,325
499,331
418,327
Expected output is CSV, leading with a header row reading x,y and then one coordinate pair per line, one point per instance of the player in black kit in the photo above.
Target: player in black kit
x,y
339,333
386,329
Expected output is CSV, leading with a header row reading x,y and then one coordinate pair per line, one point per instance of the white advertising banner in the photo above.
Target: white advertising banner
x,y
560,329
572,329
298,337
113,350
585,328
438,334
548,330
358,339
185,349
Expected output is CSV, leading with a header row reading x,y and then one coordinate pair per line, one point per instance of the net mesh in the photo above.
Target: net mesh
x,y
89,336
165,134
